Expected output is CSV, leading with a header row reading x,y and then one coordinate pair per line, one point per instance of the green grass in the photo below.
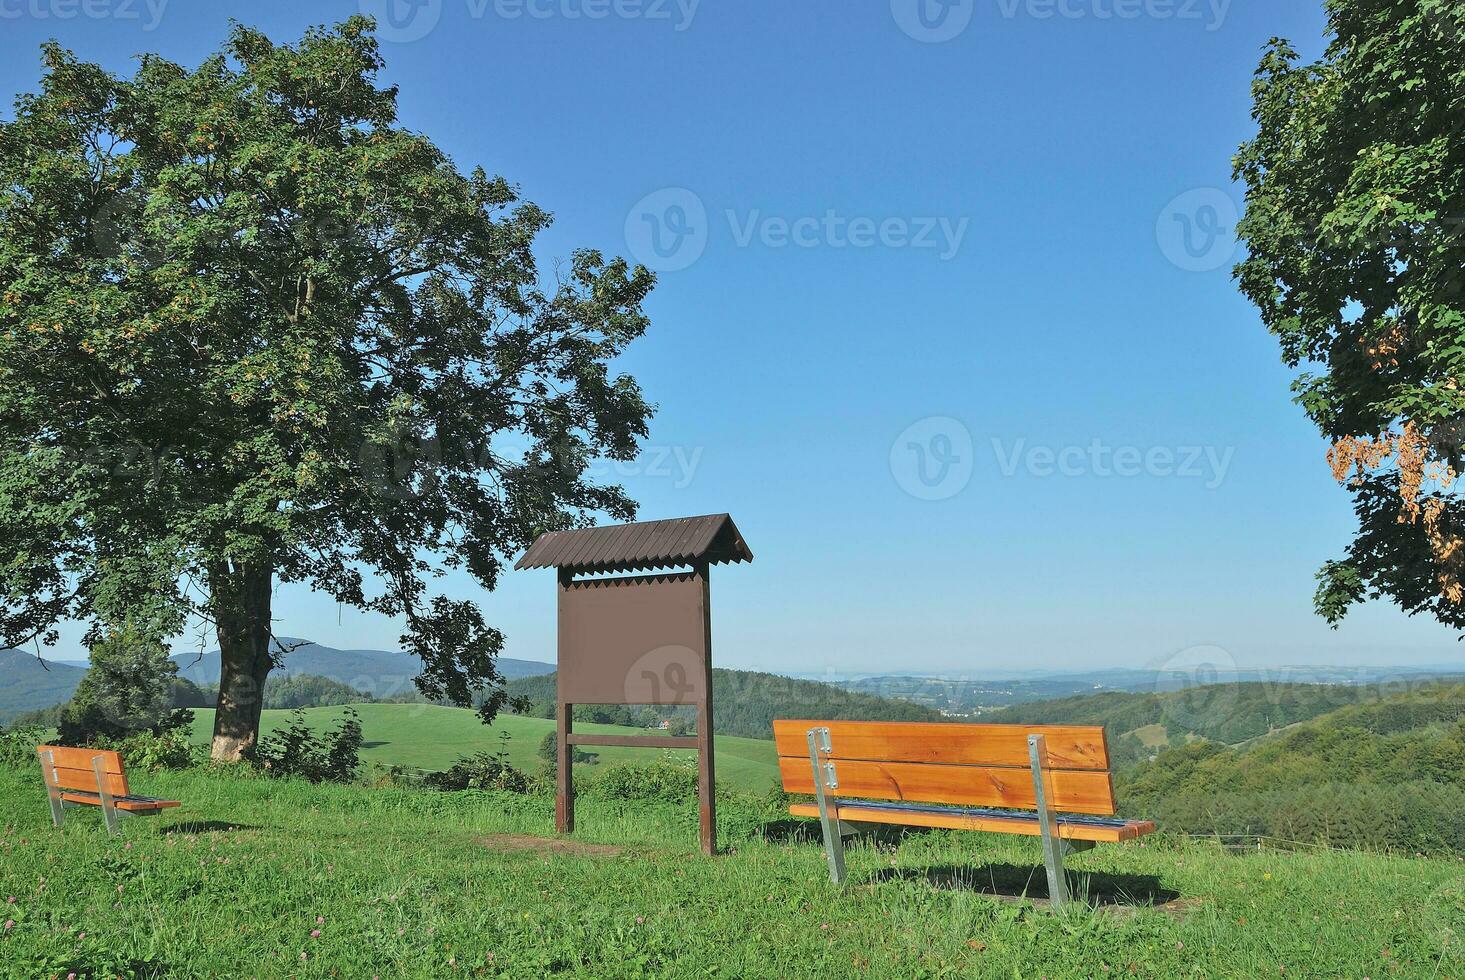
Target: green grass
x,y
405,886
426,736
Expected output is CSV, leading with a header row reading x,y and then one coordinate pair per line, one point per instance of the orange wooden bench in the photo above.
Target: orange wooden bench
x,y
91,777
965,777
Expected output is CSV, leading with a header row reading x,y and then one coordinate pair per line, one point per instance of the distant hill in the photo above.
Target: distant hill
x,y
965,696
27,684
1141,724
380,673
744,704
1385,774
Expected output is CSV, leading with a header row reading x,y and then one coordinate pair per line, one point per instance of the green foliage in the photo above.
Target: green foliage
x,y
1228,713
668,779
1389,774
130,687
253,330
548,751
1355,229
746,702
170,749
298,750
310,691
18,745
486,770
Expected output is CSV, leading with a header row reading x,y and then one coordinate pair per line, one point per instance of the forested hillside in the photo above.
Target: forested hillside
x,y
1386,774
1141,724
745,703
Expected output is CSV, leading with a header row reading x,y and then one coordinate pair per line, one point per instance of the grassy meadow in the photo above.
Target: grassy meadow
x,y
277,878
427,736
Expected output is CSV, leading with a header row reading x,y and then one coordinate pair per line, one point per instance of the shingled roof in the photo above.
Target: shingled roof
x,y
644,545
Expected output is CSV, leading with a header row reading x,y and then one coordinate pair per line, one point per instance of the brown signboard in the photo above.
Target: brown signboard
x,y
640,640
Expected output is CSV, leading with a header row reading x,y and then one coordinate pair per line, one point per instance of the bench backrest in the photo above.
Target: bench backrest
x,y
73,768
970,765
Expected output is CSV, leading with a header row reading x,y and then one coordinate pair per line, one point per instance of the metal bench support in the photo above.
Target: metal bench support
x,y
53,790
109,806
1053,846
825,778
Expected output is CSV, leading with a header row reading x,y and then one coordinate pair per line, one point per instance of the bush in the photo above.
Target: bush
x,y
669,779
18,746
485,770
147,750
548,747
334,756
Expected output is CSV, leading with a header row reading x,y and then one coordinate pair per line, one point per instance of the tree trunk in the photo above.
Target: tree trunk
x,y
242,600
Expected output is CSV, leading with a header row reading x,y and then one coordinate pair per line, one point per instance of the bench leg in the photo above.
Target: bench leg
x,y
832,828
109,807
1053,847
53,791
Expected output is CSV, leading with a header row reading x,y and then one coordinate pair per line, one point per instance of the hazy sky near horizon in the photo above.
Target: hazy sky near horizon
x,y
945,315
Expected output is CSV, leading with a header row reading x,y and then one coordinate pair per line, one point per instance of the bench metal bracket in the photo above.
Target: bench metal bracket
x,y
825,778
109,806
53,789
1054,847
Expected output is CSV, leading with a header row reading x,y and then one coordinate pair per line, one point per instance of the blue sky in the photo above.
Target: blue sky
x,y
945,317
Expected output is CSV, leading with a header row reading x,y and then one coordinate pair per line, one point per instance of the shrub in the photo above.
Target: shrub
x,y
670,779
18,745
333,756
485,770
548,747
152,751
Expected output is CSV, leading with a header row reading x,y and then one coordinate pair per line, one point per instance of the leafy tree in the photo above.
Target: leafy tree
x,y
129,688
255,332
548,751
1355,223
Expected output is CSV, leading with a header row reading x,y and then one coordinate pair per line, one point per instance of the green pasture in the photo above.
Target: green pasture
x,y
427,736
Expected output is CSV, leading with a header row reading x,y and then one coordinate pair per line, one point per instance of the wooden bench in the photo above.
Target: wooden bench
x,y
91,777
965,777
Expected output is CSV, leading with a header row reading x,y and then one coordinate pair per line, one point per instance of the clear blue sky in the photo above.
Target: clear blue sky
x,y
909,252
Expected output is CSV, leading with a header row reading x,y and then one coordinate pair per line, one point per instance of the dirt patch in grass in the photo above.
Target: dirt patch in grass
x,y
520,843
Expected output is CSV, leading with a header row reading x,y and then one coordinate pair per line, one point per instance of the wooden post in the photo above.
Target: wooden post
x,y
564,797
564,724
706,770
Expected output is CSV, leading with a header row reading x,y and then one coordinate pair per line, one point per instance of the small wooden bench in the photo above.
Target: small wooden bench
x,y
965,777
91,777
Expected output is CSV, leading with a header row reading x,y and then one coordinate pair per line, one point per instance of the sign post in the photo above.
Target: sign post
x,y
637,639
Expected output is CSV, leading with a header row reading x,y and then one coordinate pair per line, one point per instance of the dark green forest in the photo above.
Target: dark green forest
x,y
744,703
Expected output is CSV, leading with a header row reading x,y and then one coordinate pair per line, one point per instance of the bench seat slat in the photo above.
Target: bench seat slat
x,y
1099,830
943,743
129,803
1073,791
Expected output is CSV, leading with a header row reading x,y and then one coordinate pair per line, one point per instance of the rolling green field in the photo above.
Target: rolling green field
x,y
427,736
278,878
